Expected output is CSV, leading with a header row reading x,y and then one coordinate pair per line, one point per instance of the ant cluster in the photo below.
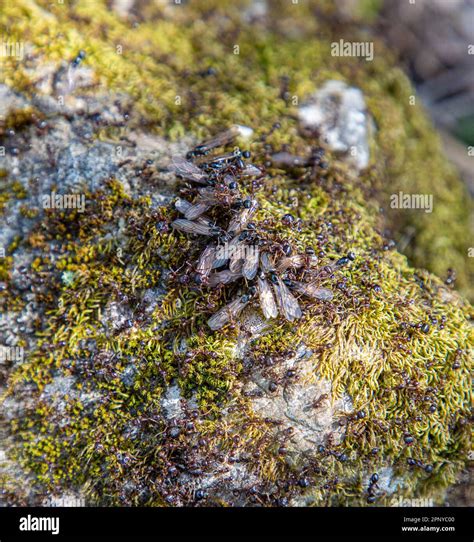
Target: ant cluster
x,y
272,272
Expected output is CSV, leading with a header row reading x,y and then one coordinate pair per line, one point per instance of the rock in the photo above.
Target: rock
x,y
256,10
339,114
171,402
117,316
294,407
10,101
245,131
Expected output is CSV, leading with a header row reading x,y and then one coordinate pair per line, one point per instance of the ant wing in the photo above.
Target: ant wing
x,y
220,140
267,301
197,209
287,303
251,171
238,223
218,161
223,277
250,266
222,316
291,261
185,168
266,262
208,194
311,289
206,260
223,252
187,226
237,258
184,206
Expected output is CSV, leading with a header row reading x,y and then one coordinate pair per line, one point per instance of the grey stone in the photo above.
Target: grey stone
x,y
171,402
338,113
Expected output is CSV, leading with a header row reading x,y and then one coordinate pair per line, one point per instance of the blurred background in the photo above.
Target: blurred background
x,y
431,39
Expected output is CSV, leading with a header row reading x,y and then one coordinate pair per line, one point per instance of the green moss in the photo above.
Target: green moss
x,y
405,372
18,119
158,64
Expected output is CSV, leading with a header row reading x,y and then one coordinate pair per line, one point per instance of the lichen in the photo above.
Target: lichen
x,y
106,434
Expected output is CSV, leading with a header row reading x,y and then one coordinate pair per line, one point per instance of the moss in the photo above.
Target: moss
x,y
168,50
379,301
11,191
18,119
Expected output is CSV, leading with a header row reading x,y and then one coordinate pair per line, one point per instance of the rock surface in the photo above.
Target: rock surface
x,y
338,113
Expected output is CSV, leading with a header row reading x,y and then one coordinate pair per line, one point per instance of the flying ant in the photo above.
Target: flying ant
x,y
230,311
247,255
220,140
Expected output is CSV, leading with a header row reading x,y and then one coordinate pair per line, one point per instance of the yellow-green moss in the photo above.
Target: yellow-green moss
x,y
159,60
162,58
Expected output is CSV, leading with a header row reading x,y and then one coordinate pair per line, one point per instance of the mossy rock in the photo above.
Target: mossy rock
x,y
124,394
